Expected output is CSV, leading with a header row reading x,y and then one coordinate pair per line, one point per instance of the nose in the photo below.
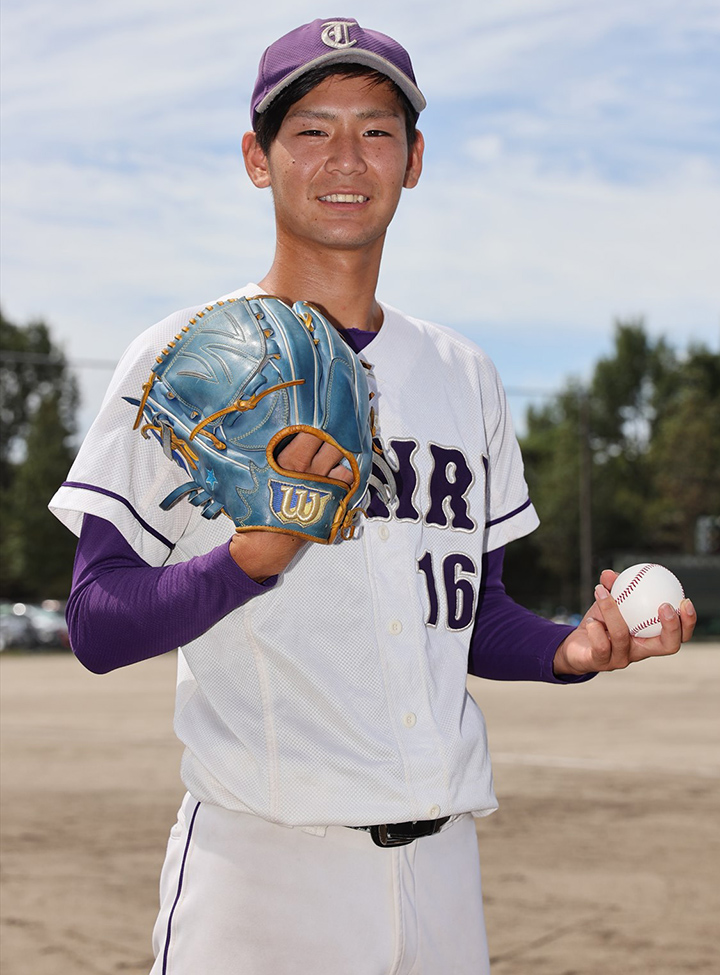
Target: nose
x,y
346,155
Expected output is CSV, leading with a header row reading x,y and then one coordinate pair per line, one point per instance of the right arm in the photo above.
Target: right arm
x,y
122,610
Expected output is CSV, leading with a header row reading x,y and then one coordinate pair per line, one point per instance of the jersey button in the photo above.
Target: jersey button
x,y
384,532
433,812
410,720
395,627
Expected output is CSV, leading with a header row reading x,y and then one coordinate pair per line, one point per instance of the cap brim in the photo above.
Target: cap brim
x,y
368,58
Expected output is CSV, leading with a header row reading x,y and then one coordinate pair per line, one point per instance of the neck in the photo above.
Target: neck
x,y
340,282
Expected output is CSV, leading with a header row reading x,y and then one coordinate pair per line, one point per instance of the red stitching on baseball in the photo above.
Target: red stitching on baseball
x,y
634,582
636,629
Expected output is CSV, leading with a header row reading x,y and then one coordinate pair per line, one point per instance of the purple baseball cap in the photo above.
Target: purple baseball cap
x,y
332,41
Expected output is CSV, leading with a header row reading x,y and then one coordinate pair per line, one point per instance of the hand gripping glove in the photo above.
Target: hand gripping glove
x,y
238,381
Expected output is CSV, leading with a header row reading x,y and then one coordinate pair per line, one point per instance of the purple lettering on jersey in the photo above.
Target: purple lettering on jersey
x,y
377,507
406,481
450,480
425,566
406,478
124,501
459,590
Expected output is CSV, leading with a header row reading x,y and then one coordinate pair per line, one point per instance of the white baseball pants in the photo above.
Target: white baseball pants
x,y
241,896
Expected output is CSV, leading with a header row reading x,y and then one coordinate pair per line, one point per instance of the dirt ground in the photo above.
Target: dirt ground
x,y
604,857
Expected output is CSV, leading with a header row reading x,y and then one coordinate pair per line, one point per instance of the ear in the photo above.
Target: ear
x,y
414,163
256,162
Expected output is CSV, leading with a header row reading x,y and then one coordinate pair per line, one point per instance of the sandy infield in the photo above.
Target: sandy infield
x,y
603,858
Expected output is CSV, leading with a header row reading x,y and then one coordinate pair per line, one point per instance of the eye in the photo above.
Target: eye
x,y
377,132
312,132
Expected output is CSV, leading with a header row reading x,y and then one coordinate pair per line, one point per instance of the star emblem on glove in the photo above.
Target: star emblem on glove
x,y
211,480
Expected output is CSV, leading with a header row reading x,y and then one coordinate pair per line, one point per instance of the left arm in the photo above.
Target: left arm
x,y
509,642
603,641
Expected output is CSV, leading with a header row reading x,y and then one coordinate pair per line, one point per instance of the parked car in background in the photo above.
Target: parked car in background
x,y
26,626
16,630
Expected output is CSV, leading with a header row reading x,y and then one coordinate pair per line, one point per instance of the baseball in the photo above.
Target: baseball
x,y
640,591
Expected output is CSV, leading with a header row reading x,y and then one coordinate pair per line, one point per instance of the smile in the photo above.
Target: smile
x,y
344,198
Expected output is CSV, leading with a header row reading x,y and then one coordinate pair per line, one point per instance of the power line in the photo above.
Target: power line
x,y
41,358
530,391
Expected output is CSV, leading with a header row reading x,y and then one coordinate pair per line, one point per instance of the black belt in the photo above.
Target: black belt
x,y
400,834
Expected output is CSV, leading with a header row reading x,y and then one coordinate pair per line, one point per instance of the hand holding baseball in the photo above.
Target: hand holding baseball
x,y
603,640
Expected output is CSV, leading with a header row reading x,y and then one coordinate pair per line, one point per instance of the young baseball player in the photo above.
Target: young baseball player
x,y
334,762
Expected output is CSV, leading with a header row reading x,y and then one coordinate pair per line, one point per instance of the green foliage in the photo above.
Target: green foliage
x,y
654,439
38,402
552,466
684,455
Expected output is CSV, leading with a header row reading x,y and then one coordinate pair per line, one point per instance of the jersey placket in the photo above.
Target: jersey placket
x,y
400,636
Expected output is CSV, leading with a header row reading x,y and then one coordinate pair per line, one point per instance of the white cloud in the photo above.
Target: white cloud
x,y
572,171
563,251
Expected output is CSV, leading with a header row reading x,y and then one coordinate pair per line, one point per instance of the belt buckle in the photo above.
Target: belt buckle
x,y
381,837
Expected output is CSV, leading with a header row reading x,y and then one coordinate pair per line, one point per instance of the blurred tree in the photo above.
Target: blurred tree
x,y
38,403
654,430
542,570
684,454
623,409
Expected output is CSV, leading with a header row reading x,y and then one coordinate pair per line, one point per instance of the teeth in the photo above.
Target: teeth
x,y
344,198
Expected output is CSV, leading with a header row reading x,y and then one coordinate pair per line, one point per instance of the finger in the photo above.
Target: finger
x,y
308,453
328,462
600,645
341,473
325,459
594,613
299,453
688,619
607,578
618,632
668,642
671,635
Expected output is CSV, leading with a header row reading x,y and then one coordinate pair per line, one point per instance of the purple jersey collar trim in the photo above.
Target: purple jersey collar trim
x,y
118,497
357,338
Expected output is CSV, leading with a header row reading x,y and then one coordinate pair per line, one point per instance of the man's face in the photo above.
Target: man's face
x,y
338,165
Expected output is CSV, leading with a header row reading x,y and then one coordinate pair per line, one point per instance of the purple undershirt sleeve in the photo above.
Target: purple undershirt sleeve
x,y
509,642
122,610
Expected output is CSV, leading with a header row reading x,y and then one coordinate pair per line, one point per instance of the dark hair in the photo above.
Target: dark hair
x,y
268,123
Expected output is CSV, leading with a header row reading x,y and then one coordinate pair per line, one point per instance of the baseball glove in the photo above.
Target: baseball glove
x,y
237,383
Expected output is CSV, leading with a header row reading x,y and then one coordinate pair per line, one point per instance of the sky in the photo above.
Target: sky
x,y
572,171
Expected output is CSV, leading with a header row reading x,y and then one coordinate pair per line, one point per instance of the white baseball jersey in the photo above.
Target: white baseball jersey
x,y
338,697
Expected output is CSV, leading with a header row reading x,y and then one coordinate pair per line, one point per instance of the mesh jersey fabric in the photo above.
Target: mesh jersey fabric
x,y
339,697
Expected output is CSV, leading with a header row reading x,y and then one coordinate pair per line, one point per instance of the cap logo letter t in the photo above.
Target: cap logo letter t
x,y
336,33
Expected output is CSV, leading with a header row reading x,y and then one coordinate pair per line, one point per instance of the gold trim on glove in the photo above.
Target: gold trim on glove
x,y
239,406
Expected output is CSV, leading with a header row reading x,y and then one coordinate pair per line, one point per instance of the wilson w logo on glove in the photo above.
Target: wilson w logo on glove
x,y
297,506
240,379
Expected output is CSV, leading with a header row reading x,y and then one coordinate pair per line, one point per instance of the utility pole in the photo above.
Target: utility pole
x,y
587,582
